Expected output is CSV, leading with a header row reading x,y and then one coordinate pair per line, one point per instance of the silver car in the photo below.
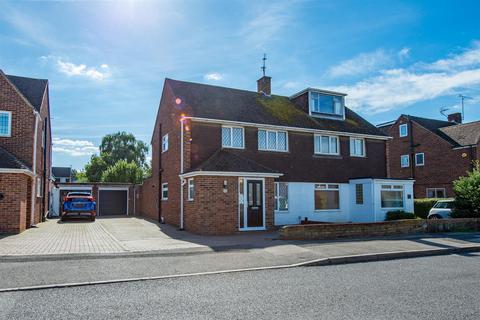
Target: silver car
x,y
441,210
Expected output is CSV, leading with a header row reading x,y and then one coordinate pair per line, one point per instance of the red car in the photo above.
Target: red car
x,y
78,204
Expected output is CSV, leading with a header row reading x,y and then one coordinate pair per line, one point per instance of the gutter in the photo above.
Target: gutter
x,y
181,173
23,171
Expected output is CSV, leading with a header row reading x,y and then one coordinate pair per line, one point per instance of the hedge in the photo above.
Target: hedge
x,y
423,206
399,215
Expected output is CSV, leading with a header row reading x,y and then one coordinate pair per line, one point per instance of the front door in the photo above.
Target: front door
x,y
255,204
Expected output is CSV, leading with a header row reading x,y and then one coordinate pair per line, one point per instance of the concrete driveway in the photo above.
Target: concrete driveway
x,y
120,234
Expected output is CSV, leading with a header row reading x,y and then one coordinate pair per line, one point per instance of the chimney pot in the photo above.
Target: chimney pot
x,y
455,117
264,85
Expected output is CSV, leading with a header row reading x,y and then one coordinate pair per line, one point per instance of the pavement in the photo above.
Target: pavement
x,y
441,287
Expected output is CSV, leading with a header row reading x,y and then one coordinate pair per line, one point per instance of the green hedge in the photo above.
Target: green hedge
x,y
399,215
423,206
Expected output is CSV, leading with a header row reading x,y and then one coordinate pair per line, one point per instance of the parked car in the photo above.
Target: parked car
x,y
442,209
78,204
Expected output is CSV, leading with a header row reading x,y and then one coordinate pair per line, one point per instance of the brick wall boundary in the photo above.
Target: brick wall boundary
x,y
373,229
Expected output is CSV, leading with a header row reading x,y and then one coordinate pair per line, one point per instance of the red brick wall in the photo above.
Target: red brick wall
x,y
215,212
442,163
13,207
147,201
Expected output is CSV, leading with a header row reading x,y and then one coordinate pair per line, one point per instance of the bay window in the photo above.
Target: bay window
x,y
391,196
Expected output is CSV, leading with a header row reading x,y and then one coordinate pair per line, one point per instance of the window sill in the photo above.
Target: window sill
x,y
355,156
327,210
275,151
281,211
327,156
239,148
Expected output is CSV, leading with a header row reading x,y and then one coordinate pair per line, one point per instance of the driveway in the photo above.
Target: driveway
x,y
118,235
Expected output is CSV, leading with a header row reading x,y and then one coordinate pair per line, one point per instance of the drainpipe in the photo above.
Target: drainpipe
x,y
34,168
181,172
412,150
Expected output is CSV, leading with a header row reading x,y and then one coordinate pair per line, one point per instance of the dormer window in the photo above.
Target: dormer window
x,y
327,104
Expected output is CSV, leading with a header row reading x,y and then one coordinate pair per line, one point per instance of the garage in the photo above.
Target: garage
x,y
112,201
58,194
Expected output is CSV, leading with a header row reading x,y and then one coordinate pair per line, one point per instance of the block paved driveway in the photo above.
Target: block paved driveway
x,y
116,235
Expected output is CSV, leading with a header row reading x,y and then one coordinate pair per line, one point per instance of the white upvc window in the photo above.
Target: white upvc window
x,y
359,193
191,189
5,124
164,191
357,147
326,145
436,193
327,196
233,137
405,161
272,140
281,196
419,159
165,143
391,196
326,104
403,130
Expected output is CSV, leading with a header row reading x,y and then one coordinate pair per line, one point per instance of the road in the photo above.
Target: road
x,y
442,287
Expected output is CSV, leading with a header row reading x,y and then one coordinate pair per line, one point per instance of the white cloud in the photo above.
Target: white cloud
x,y
404,53
395,88
72,69
361,64
213,76
75,148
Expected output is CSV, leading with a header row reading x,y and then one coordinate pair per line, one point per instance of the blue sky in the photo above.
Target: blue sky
x,y
106,61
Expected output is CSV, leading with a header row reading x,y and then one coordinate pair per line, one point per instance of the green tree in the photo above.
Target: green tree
x,y
123,171
95,168
123,146
79,176
467,194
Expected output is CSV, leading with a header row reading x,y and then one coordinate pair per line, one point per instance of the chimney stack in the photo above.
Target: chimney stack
x,y
264,85
455,117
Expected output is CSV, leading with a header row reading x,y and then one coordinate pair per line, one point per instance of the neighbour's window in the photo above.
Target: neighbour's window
x,y
232,137
392,196
165,143
164,191
272,140
405,161
419,159
39,187
403,130
357,147
326,145
191,189
327,197
5,123
329,104
359,193
436,193
281,196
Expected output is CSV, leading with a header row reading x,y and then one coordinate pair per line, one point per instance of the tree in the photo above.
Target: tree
x,y
123,171
95,168
467,194
123,146
79,176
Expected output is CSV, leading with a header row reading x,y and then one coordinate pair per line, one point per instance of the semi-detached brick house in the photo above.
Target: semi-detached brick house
x,y
432,152
227,160
25,152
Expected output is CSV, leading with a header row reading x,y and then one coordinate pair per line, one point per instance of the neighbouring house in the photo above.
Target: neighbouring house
x,y
432,152
25,152
62,174
227,160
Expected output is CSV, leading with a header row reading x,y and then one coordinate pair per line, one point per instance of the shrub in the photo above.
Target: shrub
x,y
399,215
467,194
423,206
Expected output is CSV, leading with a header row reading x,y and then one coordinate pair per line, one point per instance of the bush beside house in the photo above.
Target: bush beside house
x,y
467,194
399,215
422,206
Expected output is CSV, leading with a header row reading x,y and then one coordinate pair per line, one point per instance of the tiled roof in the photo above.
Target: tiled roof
x,y
220,103
228,161
9,161
466,134
61,171
32,89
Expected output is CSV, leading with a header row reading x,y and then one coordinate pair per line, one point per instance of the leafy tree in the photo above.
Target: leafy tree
x,y
95,168
467,194
79,176
123,146
123,171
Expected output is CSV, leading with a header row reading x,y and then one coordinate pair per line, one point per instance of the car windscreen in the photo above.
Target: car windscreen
x,y
444,205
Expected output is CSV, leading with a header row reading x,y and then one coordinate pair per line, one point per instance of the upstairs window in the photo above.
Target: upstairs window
x,y
357,147
403,130
165,143
272,140
405,161
326,145
327,104
232,137
436,193
419,159
164,191
5,123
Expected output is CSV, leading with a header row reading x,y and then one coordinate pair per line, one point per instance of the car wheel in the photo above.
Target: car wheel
x,y
92,218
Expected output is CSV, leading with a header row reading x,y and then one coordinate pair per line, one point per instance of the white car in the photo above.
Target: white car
x,y
441,209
